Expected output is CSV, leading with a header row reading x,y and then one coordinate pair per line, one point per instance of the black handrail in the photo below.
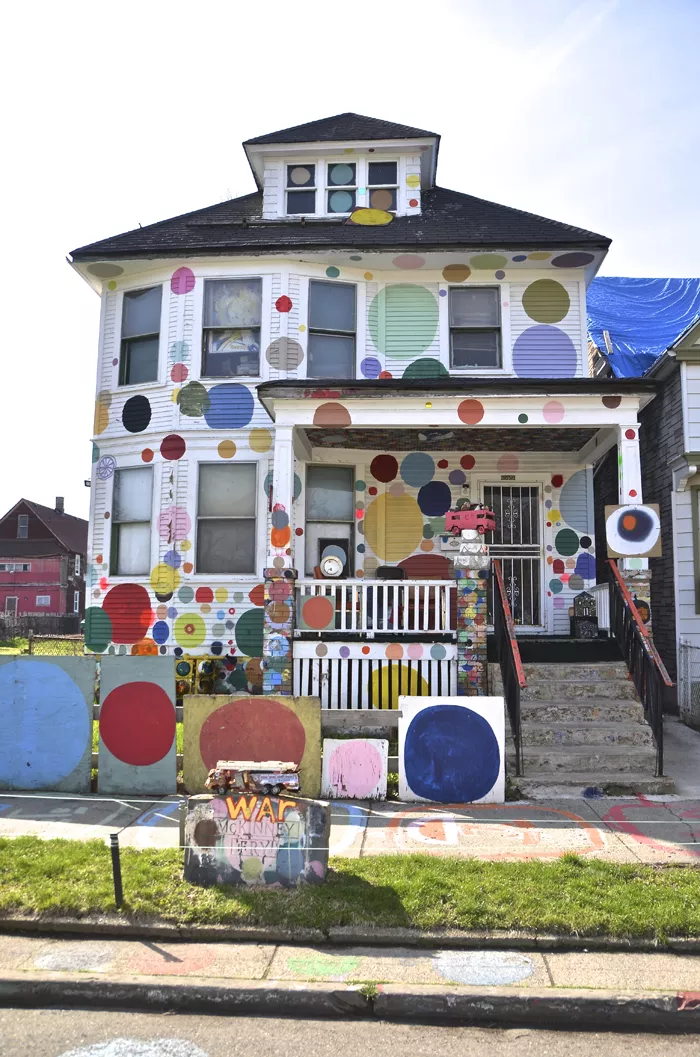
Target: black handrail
x,y
508,653
641,657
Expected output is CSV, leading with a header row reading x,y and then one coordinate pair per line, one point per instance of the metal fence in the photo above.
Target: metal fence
x,y
56,645
689,684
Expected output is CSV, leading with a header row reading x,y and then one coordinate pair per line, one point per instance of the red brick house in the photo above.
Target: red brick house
x,y
42,566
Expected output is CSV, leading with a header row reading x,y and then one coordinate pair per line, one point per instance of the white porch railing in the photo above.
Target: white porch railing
x,y
394,607
601,593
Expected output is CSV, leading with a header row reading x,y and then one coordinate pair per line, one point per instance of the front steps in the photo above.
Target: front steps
x,y
583,729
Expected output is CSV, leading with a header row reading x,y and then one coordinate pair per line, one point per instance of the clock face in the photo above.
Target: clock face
x,y
331,566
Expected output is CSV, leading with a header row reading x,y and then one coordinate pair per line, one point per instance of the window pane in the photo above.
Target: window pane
x,y
381,172
139,361
341,201
233,303
226,546
141,312
301,175
383,198
331,356
331,306
474,307
133,550
227,491
231,352
301,201
132,494
329,493
475,348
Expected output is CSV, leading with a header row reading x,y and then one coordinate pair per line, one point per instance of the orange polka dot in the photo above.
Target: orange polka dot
x,y
394,651
280,537
187,567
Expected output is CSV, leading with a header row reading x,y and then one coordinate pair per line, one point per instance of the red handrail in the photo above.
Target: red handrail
x,y
641,627
510,624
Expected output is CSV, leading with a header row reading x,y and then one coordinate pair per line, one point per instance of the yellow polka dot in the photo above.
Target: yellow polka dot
x,y
174,395
554,515
302,328
220,594
413,180
186,545
348,150
368,276
260,440
539,256
164,579
111,285
227,449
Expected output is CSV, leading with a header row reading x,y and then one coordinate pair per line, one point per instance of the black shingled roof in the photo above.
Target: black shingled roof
x,y
448,220
341,127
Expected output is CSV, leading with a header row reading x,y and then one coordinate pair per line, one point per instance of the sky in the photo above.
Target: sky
x,y
114,115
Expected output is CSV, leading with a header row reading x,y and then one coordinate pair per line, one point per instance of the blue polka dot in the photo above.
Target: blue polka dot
x,y
231,406
520,257
173,559
585,566
451,755
417,469
161,632
360,548
370,367
360,486
435,498
457,477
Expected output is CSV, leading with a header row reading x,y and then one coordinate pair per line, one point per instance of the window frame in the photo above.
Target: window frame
x,y
352,554
328,188
22,523
205,328
362,160
42,605
256,519
293,187
14,612
121,366
114,524
334,333
503,329
76,601
77,565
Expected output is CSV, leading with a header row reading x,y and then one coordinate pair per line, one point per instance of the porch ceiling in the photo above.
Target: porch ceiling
x,y
537,438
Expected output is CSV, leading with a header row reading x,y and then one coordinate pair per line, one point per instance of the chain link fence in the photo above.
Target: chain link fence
x,y
689,684
56,645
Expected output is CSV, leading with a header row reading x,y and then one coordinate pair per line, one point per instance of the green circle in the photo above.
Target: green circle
x,y
249,632
488,261
546,301
556,587
426,367
566,542
403,320
437,524
333,272
428,532
340,202
98,629
186,637
237,679
185,594
522,418
193,400
341,174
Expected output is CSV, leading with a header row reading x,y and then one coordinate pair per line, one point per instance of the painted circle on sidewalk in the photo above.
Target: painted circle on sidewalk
x,y
489,968
138,1048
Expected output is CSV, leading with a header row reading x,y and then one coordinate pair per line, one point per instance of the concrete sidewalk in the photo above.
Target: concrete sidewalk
x,y
628,830
400,982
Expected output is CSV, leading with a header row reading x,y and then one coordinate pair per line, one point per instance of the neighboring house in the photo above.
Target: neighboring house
x,y
42,565
324,367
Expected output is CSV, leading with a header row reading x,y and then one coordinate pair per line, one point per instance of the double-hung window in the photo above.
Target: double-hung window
x,y
231,329
382,185
22,526
226,519
131,521
341,187
475,327
138,362
330,510
76,601
301,189
331,330
43,600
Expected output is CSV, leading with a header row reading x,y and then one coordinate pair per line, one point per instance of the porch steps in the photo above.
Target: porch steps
x,y
583,729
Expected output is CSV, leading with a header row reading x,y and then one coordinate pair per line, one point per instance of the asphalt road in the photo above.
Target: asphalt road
x,y
90,1033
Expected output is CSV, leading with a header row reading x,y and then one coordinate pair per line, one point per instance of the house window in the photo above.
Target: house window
x,y
382,184
301,189
226,519
341,187
331,330
475,327
43,600
77,565
76,601
329,514
11,605
140,336
231,331
22,526
131,522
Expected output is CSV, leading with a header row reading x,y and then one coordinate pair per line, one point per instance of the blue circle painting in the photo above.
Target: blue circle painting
x,y
45,724
231,406
451,755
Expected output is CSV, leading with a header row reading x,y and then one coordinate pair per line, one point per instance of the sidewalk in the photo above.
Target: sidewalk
x,y
582,988
653,830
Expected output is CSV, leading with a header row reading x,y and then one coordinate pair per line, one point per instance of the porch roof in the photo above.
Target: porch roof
x,y
492,439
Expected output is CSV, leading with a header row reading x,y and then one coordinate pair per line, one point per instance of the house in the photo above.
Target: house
x,y
42,567
321,369
650,328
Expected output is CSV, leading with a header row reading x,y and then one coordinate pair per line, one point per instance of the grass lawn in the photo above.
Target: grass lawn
x,y
569,896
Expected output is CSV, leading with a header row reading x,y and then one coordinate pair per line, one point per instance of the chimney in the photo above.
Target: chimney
x,y
59,504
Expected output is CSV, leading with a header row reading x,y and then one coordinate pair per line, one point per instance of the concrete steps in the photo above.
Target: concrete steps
x,y
538,734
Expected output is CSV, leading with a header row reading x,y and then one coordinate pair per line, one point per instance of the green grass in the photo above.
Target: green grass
x,y
569,896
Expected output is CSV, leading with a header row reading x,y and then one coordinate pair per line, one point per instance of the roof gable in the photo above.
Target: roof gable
x,y
341,127
71,532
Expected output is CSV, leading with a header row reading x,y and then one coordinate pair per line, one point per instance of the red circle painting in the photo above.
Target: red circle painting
x,y
384,468
253,728
172,447
204,594
317,612
283,304
137,723
467,462
471,412
128,606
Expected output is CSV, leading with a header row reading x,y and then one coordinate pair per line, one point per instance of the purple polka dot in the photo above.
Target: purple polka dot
x,y
500,274
344,651
370,367
544,352
457,477
443,293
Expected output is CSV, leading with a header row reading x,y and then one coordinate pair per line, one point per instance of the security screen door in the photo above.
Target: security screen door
x,y
517,542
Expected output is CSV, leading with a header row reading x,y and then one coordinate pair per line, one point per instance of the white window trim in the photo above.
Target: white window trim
x,y
164,320
76,601
44,605
506,368
134,463
15,611
360,323
260,520
361,160
266,309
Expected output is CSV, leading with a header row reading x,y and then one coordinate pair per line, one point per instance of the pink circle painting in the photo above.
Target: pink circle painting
x,y
182,281
553,411
355,770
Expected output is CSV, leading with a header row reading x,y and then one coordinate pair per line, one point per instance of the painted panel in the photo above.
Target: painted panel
x,y
633,531
252,728
46,708
256,840
452,749
546,329
137,750
354,768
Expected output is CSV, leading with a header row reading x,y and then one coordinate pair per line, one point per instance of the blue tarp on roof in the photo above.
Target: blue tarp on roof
x,y
642,316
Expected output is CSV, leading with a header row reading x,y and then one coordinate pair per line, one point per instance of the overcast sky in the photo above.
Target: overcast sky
x,y
115,114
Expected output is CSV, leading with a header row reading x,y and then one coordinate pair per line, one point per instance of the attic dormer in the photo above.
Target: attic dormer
x,y
325,169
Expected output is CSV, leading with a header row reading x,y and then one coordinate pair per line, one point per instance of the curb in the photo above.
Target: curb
x,y
344,936
569,1008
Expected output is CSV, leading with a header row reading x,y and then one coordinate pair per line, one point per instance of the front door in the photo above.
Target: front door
x,y
11,606
517,542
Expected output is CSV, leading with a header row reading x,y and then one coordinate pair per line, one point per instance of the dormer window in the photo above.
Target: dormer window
x,y
341,187
301,189
382,185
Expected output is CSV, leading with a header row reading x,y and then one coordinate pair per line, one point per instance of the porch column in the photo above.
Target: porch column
x,y
279,574
472,576
635,571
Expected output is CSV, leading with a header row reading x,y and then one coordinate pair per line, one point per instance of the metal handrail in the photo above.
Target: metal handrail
x,y
512,672
643,662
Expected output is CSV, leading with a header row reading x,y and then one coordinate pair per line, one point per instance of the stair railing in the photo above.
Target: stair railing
x,y
512,672
641,657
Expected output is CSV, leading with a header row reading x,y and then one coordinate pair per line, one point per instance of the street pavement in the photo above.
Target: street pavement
x,y
653,830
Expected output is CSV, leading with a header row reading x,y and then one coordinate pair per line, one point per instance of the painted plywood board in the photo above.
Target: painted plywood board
x,y
239,727
137,750
354,768
46,708
452,749
633,531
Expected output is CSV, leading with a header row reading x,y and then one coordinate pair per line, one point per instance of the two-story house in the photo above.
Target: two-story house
x,y
42,568
323,368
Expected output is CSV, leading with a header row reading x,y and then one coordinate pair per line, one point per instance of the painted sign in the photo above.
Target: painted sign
x,y
633,531
354,769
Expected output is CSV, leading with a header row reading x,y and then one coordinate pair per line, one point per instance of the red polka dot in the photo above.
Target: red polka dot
x,y
365,650
558,566
470,412
557,480
179,372
385,374
204,594
630,434
633,492
372,490
128,606
147,455
443,464
172,447
318,612
384,468
299,532
254,728
413,202
137,723
467,462
283,303
257,595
